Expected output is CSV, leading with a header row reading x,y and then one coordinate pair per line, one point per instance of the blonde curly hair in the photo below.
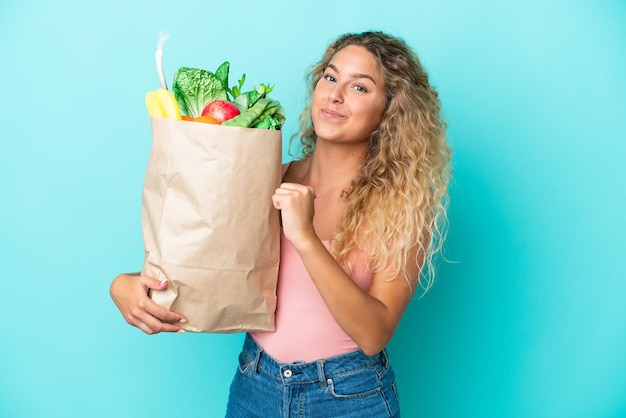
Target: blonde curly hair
x,y
399,200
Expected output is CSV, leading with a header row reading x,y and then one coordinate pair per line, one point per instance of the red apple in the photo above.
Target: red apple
x,y
221,110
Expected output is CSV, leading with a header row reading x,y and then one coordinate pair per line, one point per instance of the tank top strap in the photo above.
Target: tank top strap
x,y
285,168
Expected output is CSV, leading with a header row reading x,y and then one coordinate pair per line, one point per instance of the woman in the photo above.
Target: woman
x,y
362,216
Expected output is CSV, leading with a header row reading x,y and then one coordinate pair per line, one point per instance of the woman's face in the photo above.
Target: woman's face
x,y
349,100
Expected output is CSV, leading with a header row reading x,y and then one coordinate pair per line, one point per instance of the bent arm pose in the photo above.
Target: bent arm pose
x,y
369,318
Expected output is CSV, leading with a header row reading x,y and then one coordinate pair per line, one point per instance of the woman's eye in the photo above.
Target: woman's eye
x,y
360,88
329,77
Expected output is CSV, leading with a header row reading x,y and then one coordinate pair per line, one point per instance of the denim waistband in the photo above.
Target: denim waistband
x,y
320,370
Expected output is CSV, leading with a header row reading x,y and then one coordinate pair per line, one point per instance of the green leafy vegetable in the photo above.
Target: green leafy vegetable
x,y
248,99
195,88
269,122
236,90
255,116
222,74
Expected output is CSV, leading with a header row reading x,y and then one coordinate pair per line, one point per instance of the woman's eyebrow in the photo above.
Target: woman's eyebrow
x,y
355,75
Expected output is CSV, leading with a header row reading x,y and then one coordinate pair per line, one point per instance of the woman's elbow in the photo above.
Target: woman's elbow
x,y
372,351
373,346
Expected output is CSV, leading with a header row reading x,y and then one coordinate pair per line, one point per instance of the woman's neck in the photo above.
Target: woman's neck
x,y
333,166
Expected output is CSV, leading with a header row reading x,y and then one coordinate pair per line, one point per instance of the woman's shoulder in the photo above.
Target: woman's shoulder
x,y
286,167
290,168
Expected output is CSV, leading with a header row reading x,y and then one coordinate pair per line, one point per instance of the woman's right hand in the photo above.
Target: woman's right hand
x,y
130,294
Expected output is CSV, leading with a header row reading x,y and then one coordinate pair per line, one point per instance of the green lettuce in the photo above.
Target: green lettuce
x,y
194,88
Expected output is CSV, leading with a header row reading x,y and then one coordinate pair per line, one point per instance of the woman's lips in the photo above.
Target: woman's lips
x,y
331,114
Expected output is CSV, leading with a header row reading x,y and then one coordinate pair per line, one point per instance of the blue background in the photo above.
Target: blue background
x,y
528,317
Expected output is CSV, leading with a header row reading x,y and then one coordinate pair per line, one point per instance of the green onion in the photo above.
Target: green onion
x,y
163,36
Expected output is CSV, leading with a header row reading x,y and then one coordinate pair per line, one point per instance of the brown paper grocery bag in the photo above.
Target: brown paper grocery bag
x,y
209,226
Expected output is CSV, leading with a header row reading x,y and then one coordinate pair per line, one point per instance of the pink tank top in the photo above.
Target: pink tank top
x,y
305,329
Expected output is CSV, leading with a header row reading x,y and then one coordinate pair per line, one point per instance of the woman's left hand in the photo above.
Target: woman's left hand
x,y
295,201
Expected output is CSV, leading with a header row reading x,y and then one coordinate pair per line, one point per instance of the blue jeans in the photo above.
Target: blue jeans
x,y
347,385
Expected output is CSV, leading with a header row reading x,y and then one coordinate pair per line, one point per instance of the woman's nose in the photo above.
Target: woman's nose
x,y
336,95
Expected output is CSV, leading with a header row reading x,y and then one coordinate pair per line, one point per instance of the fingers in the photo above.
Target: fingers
x,y
286,194
287,188
155,309
152,318
130,294
161,313
151,283
163,318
